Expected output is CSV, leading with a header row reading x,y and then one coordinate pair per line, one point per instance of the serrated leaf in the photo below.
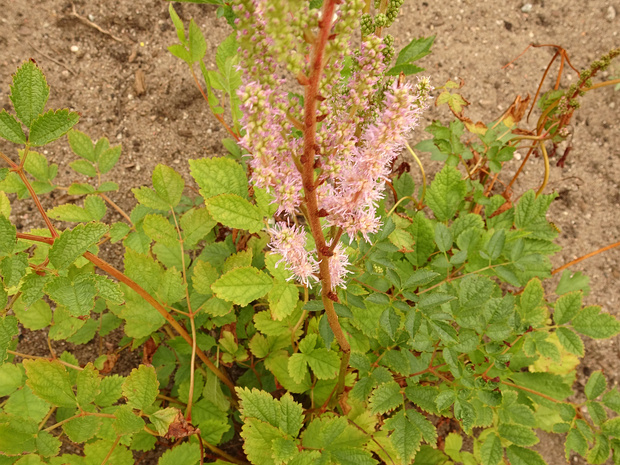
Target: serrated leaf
x,y
596,325
51,126
161,230
13,268
149,198
178,24
566,307
50,381
11,378
518,434
5,203
242,285
195,225
96,452
521,456
37,316
141,387
111,389
575,441
8,236
491,451
405,438
424,235
596,385
81,144
197,43
284,414
80,189
384,398
77,295
162,419
573,282
283,300
168,184
84,167
546,383
443,237
10,129
235,212
186,454
109,158
29,92
570,341
217,176
72,244
324,363
8,330
126,421
87,383
446,193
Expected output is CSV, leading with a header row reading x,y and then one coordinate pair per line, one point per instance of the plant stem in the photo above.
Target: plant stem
x,y
116,207
311,202
37,357
223,454
516,386
107,457
547,168
589,255
192,367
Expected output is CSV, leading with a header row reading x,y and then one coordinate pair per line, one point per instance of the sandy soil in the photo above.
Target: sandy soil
x,y
95,73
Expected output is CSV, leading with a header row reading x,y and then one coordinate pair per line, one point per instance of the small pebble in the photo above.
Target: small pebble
x,y
75,48
611,14
527,8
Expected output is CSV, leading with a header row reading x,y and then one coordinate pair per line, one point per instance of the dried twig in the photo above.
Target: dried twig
x,y
88,22
59,63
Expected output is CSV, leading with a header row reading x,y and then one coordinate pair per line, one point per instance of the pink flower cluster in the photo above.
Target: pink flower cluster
x,y
358,138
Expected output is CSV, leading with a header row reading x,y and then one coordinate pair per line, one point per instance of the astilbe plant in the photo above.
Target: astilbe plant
x,y
311,303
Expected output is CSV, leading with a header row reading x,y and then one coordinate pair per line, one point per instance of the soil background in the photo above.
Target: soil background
x,y
167,121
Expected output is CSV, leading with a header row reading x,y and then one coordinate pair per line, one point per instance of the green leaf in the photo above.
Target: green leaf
x,y
217,176
77,294
405,438
181,52
10,129
162,419
84,167
141,387
570,341
51,126
96,452
324,363
452,446
29,92
87,383
596,325
149,198
443,237
566,307
178,24
243,285
235,212
195,225
283,300
80,189
284,414
545,383
446,193
72,244
5,203
414,50
611,400
47,445
573,282
520,456
126,421
111,389
575,441
518,434
424,235
197,42
385,398
596,385
11,378
13,268
612,427
36,317
8,330
8,236
50,381
186,454
161,230
600,452
168,185
81,145
109,158
171,288
144,270
491,451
